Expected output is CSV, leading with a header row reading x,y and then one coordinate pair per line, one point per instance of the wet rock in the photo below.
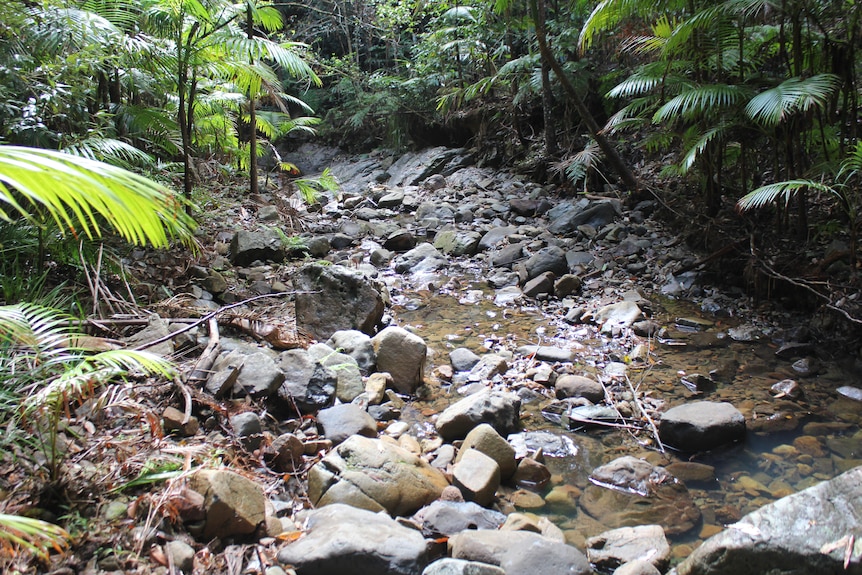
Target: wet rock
x,y
617,315
485,439
786,388
349,379
248,429
422,258
548,259
341,421
477,476
349,541
234,504
531,474
495,237
630,491
308,384
781,537
333,298
357,345
701,425
449,566
793,349
457,243
745,333
614,548
248,246
376,475
579,386
637,567
489,365
402,355
850,392
446,518
519,552
548,443
806,367
500,410
463,359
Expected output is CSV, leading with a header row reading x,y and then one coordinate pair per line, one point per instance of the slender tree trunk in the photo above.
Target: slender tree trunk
x,y
613,157
548,111
252,118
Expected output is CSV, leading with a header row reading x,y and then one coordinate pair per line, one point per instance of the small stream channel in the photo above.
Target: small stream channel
x,y
791,444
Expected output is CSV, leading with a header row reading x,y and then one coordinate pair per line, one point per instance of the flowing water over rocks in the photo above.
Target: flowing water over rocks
x,y
559,323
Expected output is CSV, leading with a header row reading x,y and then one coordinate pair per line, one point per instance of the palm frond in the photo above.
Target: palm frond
x,y
772,193
700,145
80,194
110,150
772,106
34,535
700,101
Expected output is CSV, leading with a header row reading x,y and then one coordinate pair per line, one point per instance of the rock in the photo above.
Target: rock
x,y
485,439
477,476
596,216
566,285
376,475
534,524
286,452
349,541
402,355
446,518
701,426
630,491
506,255
333,298
248,429
786,388
531,474
543,284
422,258
617,315
375,387
519,552
259,376
579,386
637,567
808,532
548,443
850,392
449,566
489,365
341,421
457,243
612,549
214,282
547,353
391,200
234,504
308,384
357,345
500,410
548,259
496,236
175,420
463,359
349,382
182,556
157,328
248,246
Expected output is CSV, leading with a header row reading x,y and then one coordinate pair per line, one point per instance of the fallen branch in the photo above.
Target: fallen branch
x,y
646,415
202,368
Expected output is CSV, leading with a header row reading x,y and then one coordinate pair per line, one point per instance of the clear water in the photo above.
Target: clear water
x,y
799,442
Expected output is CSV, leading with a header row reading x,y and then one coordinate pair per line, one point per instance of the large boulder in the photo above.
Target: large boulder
x,y
499,409
701,425
817,531
349,541
401,354
519,552
375,475
333,298
234,504
247,246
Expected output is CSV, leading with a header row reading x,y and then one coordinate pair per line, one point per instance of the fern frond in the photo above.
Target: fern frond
x,y
772,193
700,101
772,106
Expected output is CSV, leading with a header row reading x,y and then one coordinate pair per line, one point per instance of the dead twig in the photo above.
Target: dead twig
x,y
200,373
645,415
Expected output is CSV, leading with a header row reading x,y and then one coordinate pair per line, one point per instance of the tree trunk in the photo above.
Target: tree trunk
x,y
252,119
613,158
547,111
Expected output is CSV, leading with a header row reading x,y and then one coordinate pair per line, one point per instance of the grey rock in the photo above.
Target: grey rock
x,y
500,410
463,359
446,518
333,298
402,355
496,236
247,427
308,384
422,258
234,504
477,476
375,475
182,556
579,386
157,328
612,549
550,444
349,541
543,284
701,425
341,421
637,567
596,216
391,200
547,353
175,420
457,243
548,259
617,315
318,246
507,255
805,533
259,376
349,378
519,552
489,365
449,566
357,345
286,452
248,246
400,241
485,439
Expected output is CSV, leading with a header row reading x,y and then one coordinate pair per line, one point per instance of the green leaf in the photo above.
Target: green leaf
x,y
772,193
794,95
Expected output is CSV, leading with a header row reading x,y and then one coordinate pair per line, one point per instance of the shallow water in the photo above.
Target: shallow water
x,y
791,444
